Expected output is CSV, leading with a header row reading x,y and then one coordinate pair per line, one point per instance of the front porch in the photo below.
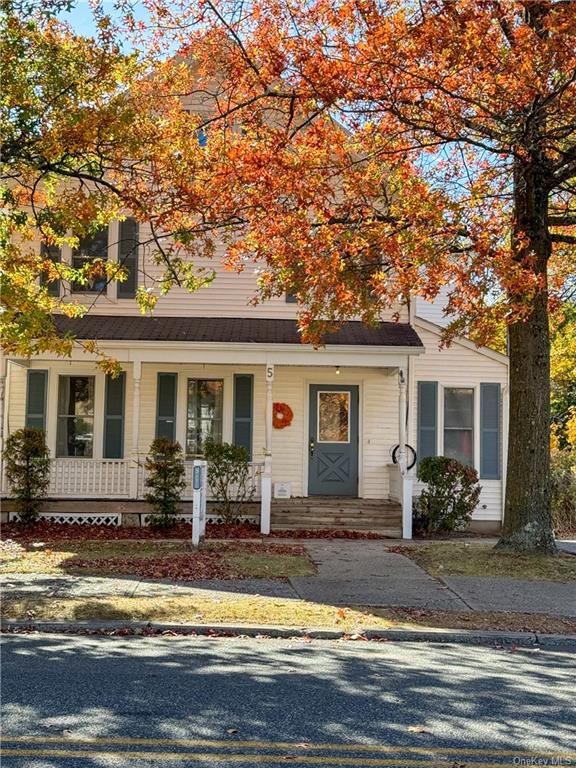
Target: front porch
x,y
348,402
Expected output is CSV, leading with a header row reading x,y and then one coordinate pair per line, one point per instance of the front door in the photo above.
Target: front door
x,y
333,441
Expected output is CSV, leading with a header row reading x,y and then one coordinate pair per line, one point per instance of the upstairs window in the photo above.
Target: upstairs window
x,y
75,433
203,414
459,424
90,249
50,253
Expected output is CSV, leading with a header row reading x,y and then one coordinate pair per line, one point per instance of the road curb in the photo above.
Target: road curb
x,y
426,635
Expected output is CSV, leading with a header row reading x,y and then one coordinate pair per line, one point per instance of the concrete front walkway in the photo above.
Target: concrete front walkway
x,y
359,573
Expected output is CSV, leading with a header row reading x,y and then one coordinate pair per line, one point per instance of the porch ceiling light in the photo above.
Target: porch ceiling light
x,y
337,370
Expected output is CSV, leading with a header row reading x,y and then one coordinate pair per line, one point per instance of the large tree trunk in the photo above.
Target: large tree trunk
x,y
527,514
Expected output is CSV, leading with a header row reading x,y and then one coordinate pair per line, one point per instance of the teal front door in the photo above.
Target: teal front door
x,y
333,440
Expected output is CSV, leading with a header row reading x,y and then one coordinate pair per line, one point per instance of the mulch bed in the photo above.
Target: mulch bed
x,y
46,530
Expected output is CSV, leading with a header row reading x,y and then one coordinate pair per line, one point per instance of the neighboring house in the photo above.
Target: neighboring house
x,y
209,364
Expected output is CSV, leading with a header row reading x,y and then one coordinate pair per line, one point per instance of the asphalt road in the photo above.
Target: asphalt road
x,y
111,701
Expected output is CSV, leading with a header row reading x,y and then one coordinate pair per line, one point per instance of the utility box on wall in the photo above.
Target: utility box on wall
x,y
282,490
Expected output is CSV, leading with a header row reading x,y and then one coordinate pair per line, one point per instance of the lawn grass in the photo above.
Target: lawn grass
x,y
267,612
479,559
156,559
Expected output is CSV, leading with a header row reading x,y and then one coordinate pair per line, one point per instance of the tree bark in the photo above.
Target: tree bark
x,y
527,512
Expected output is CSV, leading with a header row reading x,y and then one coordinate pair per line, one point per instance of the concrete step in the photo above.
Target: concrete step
x,y
341,519
394,532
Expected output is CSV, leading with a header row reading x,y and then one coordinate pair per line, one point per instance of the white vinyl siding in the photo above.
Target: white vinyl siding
x,y
459,366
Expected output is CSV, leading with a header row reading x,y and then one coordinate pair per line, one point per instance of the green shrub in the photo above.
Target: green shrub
x,y
563,475
450,498
229,476
165,481
27,470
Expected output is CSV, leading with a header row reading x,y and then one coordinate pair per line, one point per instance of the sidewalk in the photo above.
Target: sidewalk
x,y
350,573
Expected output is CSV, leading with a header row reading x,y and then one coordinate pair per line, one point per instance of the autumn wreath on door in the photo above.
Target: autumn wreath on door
x,y
282,415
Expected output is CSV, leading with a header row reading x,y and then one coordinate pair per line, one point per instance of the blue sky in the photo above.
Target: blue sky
x,y
81,19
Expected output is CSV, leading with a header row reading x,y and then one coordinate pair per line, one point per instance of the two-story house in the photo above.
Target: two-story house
x,y
321,425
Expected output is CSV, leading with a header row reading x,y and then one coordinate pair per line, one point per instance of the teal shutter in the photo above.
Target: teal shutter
x,y
427,419
114,417
490,431
128,258
54,254
36,399
166,405
243,410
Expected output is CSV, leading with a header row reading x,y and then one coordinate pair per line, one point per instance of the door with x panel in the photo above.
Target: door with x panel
x,y
333,441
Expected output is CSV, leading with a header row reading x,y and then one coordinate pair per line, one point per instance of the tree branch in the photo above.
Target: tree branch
x,y
569,239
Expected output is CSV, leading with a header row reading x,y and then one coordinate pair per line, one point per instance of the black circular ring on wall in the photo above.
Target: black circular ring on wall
x,y
409,450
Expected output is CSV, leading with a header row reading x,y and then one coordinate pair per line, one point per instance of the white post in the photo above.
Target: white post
x,y
3,368
134,466
407,480
199,477
402,463
266,485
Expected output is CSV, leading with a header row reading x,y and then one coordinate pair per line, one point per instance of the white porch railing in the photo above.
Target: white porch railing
x,y
256,468
88,478
110,479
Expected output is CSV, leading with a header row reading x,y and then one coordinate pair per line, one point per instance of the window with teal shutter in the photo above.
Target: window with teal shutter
x,y
166,405
490,430
114,417
37,387
128,257
243,410
427,419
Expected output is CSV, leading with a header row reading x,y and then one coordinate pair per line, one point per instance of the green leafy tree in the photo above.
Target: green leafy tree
x,y
451,495
165,481
229,477
28,471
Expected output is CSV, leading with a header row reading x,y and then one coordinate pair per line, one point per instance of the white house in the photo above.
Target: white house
x,y
210,364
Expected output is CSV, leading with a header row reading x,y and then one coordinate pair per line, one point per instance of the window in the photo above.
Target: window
x,y
75,435
459,424
91,248
204,414
333,417
50,253
291,298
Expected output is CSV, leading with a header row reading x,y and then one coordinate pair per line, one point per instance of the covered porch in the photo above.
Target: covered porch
x,y
348,402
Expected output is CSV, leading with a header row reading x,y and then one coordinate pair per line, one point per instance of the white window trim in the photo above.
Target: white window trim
x,y
52,405
476,418
66,256
200,377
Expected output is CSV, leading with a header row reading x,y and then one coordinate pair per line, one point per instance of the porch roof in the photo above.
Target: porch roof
x,y
230,330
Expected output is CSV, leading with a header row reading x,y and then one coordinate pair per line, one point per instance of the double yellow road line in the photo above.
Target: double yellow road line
x,y
270,752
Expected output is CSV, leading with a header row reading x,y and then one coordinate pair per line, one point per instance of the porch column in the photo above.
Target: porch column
x,y
3,368
134,466
266,492
407,480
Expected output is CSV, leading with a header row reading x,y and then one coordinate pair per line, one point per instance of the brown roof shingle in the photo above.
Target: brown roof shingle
x,y
229,330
